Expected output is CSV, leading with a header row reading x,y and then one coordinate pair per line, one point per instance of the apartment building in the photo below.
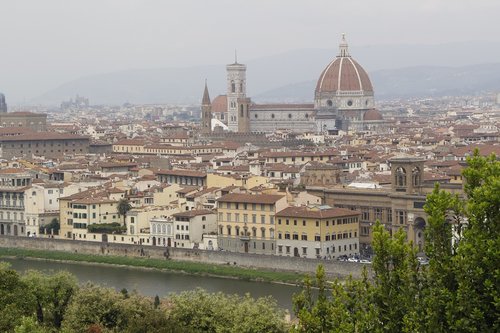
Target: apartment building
x,y
317,232
246,222
13,183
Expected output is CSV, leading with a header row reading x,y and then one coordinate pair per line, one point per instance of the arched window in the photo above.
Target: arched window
x,y
400,177
241,87
241,111
416,176
263,232
229,230
329,102
237,231
233,87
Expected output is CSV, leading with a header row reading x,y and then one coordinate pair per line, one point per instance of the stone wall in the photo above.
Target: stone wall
x,y
332,268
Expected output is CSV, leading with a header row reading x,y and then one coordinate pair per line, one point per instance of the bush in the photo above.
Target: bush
x,y
107,228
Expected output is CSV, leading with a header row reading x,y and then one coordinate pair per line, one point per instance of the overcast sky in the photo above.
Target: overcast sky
x,y
45,43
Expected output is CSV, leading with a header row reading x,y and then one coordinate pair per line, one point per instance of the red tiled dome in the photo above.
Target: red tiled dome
x,y
343,74
372,114
219,104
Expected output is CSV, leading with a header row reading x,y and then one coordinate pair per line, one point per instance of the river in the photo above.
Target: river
x,y
153,282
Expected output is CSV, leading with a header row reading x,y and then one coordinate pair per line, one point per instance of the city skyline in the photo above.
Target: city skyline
x,y
54,42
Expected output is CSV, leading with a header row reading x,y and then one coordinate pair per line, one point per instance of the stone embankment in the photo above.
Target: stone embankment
x,y
333,268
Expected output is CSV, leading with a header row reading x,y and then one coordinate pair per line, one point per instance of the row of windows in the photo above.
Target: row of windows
x,y
14,216
237,219
346,220
317,237
44,152
306,116
51,144
246,206
241,232
317,250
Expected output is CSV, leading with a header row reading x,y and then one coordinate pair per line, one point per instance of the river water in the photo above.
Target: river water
x,y
152,282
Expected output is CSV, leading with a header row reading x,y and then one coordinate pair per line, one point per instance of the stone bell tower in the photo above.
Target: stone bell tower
x,y
236,90
206,112
407,174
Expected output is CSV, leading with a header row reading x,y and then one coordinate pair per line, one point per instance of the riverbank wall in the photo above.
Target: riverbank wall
x,y
333,268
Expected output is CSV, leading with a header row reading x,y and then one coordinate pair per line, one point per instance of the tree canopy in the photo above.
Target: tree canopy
x,y
457,292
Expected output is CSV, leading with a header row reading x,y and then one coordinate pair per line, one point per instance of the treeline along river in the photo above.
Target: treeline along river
x,y
154,282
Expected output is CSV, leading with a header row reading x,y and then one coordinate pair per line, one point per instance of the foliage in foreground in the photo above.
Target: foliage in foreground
x,y
40,303
459,291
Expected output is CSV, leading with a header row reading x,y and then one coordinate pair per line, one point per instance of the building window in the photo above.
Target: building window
x,y
280,248
263,219
287,235
317,238
401,216
295,236
303,237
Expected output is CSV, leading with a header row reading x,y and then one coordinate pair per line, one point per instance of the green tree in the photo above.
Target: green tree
x,y
96,309
346,307
123,208
396,279
477,302
15,302
444,212
199,311
30,325
54,226
52,294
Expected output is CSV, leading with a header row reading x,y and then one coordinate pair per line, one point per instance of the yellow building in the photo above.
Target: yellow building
x,y
215,180
246,222
82,209
317,232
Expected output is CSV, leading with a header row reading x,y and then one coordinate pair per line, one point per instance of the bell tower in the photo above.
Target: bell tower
x,y
3,105
236,90
206,112
407,174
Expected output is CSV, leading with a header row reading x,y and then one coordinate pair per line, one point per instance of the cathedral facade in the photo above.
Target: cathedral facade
x,y
343,100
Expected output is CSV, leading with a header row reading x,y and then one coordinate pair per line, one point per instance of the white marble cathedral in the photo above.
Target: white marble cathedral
x,y
343,100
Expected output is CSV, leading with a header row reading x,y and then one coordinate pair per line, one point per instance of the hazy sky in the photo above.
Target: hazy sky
x,y
47,42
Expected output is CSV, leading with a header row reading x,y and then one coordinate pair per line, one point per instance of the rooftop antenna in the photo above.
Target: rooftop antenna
x,y
235,56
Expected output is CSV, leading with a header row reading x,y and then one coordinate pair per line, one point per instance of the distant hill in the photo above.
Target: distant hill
x,y
406,82
399,70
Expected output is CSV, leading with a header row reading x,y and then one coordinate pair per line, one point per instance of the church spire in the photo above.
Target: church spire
x,y
206,98
343,48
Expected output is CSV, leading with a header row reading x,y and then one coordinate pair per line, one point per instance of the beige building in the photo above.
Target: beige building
x,y
246,222
317,232
399,206
192,226
48,144
13,183
34,121
82,209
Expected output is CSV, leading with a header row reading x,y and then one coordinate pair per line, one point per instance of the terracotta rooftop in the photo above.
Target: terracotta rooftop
x,y
305,212
43,136
193,213
250,198
180,172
